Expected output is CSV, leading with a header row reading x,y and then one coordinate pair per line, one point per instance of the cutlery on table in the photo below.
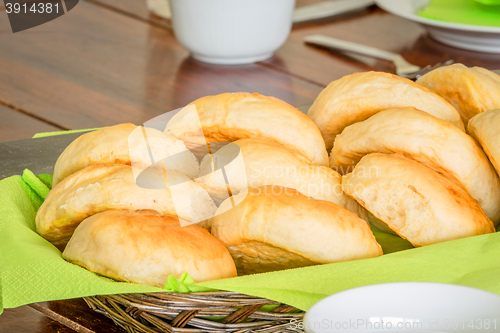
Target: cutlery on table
x,y
329,8
403,67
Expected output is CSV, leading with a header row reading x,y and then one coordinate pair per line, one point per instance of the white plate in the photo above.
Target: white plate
x,y
406,307
464,36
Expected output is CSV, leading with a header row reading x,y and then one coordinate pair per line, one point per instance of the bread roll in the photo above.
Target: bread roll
x,y
262,163
98,188
470,90
416,202
124,144
485,128
358,96
232,116
146,247
429,140
276,227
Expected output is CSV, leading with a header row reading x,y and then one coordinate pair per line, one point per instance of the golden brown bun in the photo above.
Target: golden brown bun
x,y
415,201
426,139
276,227
358,96
262,163
232,116
470,90
146,247
110,145
98,188
485,128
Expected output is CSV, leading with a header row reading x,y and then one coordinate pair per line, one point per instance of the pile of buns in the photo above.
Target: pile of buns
x,y
242,183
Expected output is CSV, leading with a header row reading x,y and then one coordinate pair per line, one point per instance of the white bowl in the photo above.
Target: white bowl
x,y
232,31
406,307
464,36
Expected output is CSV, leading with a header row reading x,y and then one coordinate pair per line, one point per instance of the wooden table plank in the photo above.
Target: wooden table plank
x,y
374,27
95,67
299,52
110,61
76,313
378,29
24,319
15,125
139,10
135,9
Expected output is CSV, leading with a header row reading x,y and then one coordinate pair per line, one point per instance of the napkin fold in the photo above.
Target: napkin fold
x,y
32,270
464,11
489,2
184,284
45,134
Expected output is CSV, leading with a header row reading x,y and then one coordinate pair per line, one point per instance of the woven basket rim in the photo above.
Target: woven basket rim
x,y
214,311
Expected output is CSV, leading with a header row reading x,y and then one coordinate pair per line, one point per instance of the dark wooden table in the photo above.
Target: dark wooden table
x,y
110,61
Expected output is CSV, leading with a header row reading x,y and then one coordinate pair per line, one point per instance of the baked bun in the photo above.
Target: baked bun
x,y
358,96
470,90
255,163
232,116
146,247
485,128
276,227
416,202
98,188
426,139
110,145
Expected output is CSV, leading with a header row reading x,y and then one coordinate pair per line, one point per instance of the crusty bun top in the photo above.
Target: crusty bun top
x,y
471,90
145,247
429,140
276,227
261,163
233,116
115,145
358,96
485,128
102,187
414,200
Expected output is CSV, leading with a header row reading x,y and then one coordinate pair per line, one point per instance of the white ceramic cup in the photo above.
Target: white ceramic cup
x,y
232,31
405,307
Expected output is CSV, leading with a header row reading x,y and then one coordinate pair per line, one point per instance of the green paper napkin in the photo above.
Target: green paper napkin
x,y
184,284
32,270
463,11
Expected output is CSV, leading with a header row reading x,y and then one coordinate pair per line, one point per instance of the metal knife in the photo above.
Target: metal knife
x,y
38,155
329,8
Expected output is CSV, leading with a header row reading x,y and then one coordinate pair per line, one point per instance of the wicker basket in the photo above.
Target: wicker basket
x,y
196,312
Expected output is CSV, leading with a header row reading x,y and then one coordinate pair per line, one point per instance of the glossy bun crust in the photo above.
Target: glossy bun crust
x,y
99,188
485,128
232,116
145,247
426,139
112,145
277,228
416,202
261,163
471,90
358,96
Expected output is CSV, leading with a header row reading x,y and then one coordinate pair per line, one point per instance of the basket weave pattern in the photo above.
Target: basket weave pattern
x,y
195,312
